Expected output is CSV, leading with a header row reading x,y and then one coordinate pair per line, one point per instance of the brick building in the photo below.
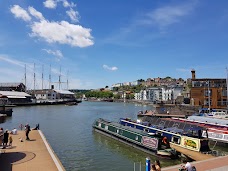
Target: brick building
x,y
208,92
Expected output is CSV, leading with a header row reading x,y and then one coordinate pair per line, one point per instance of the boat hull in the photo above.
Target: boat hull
x,y
133,139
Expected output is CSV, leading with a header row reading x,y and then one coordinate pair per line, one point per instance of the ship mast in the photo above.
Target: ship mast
x,y
60,78
209,96
25,77
34,80
42,76
50,78
67,80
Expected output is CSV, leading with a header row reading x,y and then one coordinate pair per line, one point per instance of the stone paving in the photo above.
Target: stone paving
x,y
33,155
214,164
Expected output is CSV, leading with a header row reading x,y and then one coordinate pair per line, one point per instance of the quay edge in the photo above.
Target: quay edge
x,y
35,154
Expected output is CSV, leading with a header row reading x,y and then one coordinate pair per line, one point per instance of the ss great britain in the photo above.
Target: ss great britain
x,y
147,142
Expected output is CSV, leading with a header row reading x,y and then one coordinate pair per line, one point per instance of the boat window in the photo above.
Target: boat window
x,y
106,127
158,133
99,125
146,130
136,138
117,131
176,140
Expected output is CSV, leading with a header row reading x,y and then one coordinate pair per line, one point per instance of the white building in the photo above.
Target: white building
x,y
143,95
158,94
171,93
135,83
127,84
155,94
53,95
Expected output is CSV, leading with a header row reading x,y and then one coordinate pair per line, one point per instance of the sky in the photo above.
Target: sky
x,y
94,44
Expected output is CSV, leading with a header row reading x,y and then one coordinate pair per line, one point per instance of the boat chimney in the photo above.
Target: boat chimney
x,y
193,74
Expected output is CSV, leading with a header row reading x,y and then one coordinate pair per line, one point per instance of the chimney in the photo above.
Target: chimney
x,y
193,74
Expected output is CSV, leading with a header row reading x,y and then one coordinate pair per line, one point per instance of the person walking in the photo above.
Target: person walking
x,y
5,138
27,130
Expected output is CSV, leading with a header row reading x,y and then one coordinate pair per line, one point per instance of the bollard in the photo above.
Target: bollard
x,y
147,164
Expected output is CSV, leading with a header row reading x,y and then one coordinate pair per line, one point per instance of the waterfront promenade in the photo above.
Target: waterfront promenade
x,y
35,154
213,164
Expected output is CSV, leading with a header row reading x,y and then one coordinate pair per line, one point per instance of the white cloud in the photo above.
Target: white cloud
x,y
35,13
67,4
167,15
20,13
56,32
56,53
50,4
11,61
183,70
74,15
110,68
62,32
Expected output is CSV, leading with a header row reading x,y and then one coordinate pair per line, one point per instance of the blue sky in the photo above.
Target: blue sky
x,y
102,42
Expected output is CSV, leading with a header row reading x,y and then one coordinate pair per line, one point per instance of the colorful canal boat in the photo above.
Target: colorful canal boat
x,y
190,139
150,143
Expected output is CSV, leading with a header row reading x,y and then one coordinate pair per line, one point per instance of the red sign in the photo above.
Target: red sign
x,y
150,142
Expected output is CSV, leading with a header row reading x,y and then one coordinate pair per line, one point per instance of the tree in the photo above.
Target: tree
x,y
116,96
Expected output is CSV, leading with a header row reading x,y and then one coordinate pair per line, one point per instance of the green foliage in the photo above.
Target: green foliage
x,y
117,96
131,96
99,94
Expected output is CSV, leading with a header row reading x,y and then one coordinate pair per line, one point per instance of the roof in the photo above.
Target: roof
x,y
14,93
208,120
64,92
9,84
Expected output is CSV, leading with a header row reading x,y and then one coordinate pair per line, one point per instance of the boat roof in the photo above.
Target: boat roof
x,y
170,125
208,120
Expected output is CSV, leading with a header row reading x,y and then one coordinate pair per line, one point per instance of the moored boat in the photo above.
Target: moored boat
x,y
71,103
150,143
190,139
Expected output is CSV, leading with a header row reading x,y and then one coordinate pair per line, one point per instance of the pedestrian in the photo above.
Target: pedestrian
x,y
10,141
153,168
27,130
186,167
1,136
5,138
14,131
157,165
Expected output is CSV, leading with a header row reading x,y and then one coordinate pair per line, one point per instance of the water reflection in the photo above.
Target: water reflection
x,y
132,154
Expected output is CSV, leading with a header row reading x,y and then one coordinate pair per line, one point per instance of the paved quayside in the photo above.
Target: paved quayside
x,y
35,154
213,164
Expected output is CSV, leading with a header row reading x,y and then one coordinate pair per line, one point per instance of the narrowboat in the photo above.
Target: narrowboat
x,y
216,129
190,138
148,142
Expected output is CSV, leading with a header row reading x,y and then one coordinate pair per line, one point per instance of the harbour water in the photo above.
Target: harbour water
x,y
69,131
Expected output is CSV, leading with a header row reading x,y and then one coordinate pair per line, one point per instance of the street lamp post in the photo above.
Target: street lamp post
x,y
209,96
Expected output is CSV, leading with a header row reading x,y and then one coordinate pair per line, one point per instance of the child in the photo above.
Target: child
x,y
10,141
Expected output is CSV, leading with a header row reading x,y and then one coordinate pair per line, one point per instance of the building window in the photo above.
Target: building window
x,y
207,93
